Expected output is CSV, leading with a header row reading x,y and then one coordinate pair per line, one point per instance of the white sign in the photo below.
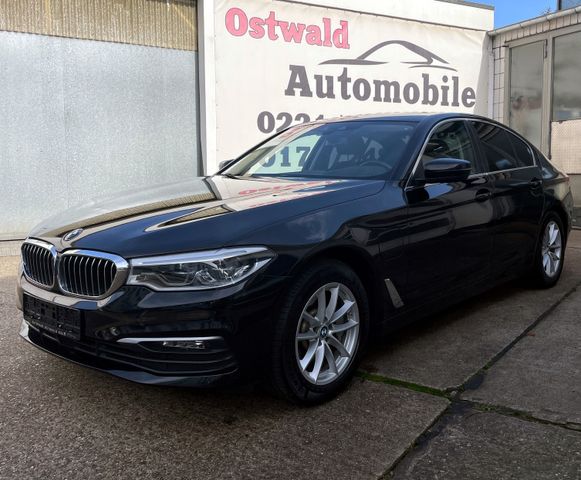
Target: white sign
x,y
280,63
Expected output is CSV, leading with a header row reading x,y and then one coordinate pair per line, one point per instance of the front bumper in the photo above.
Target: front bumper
x,y
130,365
123,334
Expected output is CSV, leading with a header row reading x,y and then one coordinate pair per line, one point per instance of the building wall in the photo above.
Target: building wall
x,y
454,31
455,13
156,23
499,46
560,138
96,96
102,95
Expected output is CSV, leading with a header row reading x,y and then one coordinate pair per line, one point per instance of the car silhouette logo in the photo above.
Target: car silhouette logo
x,y
426,58
72,234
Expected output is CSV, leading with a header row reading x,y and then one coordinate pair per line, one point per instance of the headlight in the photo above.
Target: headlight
x,y
199,270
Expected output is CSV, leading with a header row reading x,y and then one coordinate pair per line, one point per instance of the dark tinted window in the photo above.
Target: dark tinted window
x,y
450,140
548,170
502,149
521,151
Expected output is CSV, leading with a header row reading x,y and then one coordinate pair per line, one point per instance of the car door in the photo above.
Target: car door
x,y
517,197
449,238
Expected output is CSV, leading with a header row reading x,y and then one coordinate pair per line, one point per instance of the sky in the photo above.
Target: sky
x,y
512,11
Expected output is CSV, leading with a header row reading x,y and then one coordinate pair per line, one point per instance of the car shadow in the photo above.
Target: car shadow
x,y
430,323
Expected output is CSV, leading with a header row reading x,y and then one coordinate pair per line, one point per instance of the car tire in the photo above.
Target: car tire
x,y
550,254
313,359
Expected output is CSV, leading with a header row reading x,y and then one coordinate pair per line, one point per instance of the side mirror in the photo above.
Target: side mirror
x,y
225,163
447,170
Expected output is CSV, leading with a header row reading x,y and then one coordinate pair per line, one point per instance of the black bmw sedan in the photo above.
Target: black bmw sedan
x,y
287,261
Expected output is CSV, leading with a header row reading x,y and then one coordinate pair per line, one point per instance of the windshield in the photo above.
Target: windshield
x,y
357,149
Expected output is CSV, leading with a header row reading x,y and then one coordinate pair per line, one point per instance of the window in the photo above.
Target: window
x,y
522,151
450,140
548,171
289,159
567,77
502,150
565,4
526,90
350,149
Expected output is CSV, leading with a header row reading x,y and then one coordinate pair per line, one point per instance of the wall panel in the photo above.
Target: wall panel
x,y
82,119
566,145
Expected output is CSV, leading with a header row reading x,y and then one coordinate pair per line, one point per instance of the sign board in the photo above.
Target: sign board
x,y
280,63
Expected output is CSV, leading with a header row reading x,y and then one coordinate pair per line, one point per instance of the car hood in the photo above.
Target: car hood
x,y
202,213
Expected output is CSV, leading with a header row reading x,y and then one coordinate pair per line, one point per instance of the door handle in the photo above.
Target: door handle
x,y
482,195
535,183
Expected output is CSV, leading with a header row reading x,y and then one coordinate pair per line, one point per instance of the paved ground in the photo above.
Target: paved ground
x,y
488,390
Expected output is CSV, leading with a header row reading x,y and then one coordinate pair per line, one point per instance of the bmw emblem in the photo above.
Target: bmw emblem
x,y
72,234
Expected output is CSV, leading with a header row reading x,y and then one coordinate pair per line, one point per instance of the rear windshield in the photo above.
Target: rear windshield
x,y
357,149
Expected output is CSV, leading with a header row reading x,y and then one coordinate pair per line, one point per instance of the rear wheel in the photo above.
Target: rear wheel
x,y
320,334
550,255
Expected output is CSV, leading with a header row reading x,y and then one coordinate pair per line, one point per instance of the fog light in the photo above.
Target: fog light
x,y
185,344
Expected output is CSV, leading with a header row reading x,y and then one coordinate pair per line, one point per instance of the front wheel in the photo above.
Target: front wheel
x,y
550,254
320,334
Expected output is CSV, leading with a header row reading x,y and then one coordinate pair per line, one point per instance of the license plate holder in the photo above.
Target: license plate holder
x,y
55,319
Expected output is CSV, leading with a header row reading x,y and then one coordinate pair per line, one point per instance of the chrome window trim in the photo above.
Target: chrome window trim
x,y
509,170
121,273
54,253
474,175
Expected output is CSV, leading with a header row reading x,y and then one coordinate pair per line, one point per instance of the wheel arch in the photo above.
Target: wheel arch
x,y
560,211
362,263
562,214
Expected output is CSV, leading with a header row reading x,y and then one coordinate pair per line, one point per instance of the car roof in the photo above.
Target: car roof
x,y
402,117
425,121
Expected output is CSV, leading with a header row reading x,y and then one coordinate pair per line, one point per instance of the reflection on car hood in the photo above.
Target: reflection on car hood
x,y
227,208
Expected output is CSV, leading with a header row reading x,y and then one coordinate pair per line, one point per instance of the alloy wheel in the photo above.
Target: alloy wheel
x,y
551,249
327,335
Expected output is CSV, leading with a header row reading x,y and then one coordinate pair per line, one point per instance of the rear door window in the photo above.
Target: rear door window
x,y
522,151
502,150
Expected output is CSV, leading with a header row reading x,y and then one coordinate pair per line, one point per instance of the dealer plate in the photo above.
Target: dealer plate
x,y
55,319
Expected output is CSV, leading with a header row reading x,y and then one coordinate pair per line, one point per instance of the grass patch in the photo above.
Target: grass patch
x,y
372,377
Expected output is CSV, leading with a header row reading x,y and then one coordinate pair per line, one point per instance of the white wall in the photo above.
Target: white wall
x,y
242,76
